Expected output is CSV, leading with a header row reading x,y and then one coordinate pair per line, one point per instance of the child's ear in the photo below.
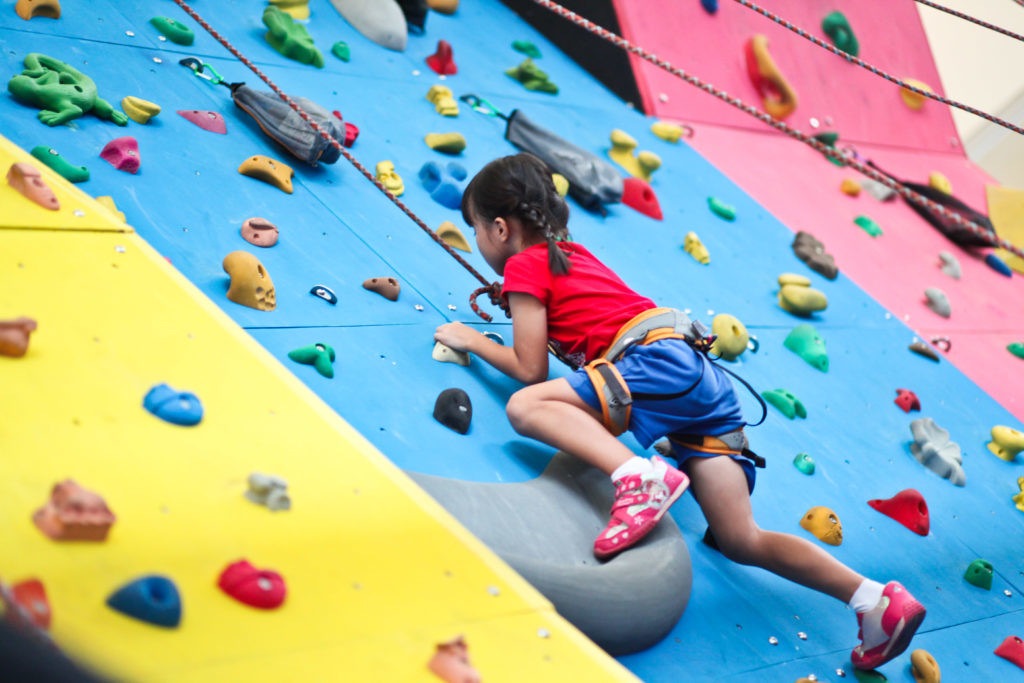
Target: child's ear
x,y
502,227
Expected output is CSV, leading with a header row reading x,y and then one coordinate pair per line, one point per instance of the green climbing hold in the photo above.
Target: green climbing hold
x,y
174,31
62,92
341,51
721,209
869,226
804,463
527,48
1016,348
805,342
979,573
829,139
837,28
319,355
869,676
786,402
532,78
53,159
290,38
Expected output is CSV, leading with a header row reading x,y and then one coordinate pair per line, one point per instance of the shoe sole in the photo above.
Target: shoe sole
x,y
643,531
913,614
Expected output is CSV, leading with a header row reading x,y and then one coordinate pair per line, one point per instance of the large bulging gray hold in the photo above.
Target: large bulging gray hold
x,y
933,449
937,300
950,266
382,21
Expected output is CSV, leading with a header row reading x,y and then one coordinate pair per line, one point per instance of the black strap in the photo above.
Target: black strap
x,y
620,393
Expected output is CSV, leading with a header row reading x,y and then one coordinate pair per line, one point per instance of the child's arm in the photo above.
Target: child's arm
x,y
527,359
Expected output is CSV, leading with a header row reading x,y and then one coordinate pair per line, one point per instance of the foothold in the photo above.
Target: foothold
x,y
442,61
1006,442
30,596
907,400
793,279
942,343
53,159
268,490
382,22
290,38
269,171
979,573
389,179
30,9
341,50
351,130
527,48
879,191
923,349
911,98
107,202
319,355
62,92
868,225
710,6
1016,348
532,78
123,154
933,449
829,139
74,514
731,337
950,266
998,265
562,184
670,132
453,237
325,293
777,95
804,463
869,676
443,6
26,179
849,186
805,341
623,152
174,31
259,232
443,100
824,524
387,287
454,410
786,402
152,599
259,588
837,28
811,251
207,120
924,668
940,182
451,664
14,336
177,407
1012,649
139,110
638,195
446,354
444,183
721,209
296,9
937,300
695,248
796,296
908,508
447,143
250,283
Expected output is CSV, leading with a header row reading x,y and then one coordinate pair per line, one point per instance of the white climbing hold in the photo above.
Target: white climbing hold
x,y
937,300
446,354
950,265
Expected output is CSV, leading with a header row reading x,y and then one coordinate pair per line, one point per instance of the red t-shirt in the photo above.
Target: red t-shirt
x,y
586,307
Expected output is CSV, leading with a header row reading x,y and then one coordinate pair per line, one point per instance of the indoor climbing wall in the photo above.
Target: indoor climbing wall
x,y
188,202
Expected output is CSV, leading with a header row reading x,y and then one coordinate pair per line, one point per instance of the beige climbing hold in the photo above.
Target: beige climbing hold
x,y
924,668
389,179
443,100
824,524
561,184
695,248
107,203
801,300
911,98
794,279
29,9
138,109
387,287
443,6
446,354
850,186
939,182
453,237
250,283
297,9
622,152
269,171
26,179
447,143
732,336
1006,443
259,232
670,132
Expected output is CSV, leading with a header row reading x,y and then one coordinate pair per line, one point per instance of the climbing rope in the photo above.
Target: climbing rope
x,y
492,288
979,22
829,152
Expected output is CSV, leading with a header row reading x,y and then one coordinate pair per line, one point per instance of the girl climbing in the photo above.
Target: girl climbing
x,y
644,369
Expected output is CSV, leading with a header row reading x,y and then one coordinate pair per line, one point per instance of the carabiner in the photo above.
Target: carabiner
x,y
481,105
198,68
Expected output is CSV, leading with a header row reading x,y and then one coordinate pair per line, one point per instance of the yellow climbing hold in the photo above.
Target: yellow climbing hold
x,y
850,186
797,297
108,203
911,98
695,248
1006,443
389,179
732,336
640,166
1018,498
940,182
453,237
298,9
669,132
924,668
269,171
561,184
250,282
139,110
448,143
824,524
443,100
793,279
446,354
777,96
29,9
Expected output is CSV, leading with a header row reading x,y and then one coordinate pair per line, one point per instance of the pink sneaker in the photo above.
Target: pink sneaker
x,y
886,629
640,502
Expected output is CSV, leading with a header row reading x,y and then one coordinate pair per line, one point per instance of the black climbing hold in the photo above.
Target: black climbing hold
x,y
453,410
324,293
415,12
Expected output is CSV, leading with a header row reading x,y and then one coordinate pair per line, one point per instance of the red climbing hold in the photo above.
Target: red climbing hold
x,y
31,597
442,61
207,120
351,131
637,194
907,400
1012,649
908,508
260,588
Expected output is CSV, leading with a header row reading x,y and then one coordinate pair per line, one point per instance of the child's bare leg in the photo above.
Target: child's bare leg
x,y
720,487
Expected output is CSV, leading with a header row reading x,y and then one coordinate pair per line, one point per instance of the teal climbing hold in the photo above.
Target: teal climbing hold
x,y
805,342
829,139
1016,348
53,159
319,355
174,31
721,209
869,676
786,402
804,463
289,38
979,573
341,51
153,599
527,48
869,226
837,28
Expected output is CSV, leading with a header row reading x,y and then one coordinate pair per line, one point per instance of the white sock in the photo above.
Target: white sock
x,y
635,465
866,596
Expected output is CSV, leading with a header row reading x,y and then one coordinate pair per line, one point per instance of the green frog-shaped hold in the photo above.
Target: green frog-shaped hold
x,y
62,92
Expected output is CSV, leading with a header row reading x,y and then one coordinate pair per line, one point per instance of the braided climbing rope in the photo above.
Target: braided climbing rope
x,y
979,22
493,289
830,152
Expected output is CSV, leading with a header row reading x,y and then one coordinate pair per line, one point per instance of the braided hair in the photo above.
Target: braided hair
x,y
521,186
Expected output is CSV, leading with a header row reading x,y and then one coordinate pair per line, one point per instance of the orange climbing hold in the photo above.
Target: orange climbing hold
x,y
777,95
250,283
850,187
30,9
74,514
14,336
269,171
912,99
30,595
26,179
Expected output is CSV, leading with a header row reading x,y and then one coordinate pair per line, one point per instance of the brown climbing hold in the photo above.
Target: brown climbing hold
x,y
450,663
453,237
14,336
269,171
74,514
811,251
924,668
387,287
250,284
26,179
923,349
259,232
30,9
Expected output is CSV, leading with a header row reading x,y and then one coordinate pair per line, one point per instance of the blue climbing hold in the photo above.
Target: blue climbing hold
x,y
445,184
710,6
998,265
153,599
177,407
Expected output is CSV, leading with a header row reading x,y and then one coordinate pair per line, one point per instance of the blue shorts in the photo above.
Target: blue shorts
x,y
666,367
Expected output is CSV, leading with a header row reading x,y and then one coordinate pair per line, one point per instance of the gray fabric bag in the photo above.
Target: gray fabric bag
x,y
281,122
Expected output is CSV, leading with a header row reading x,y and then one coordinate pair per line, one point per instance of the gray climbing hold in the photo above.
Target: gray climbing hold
x,y
933,449
811,251
882,193
268,490
454,410
950,266
381,22
937,300
446,354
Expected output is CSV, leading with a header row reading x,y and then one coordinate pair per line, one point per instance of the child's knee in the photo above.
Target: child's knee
x,y
518,409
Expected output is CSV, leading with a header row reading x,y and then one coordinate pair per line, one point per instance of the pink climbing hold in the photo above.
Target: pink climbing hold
x,y
260,588
1012,650
207,120
907,400
442,61
26,179
908,508
259,232
123,153
351,131
637,194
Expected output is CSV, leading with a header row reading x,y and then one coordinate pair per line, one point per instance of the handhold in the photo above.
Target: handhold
x,y
30,9
868,225
444,183
811,251
269,171
1006,442
14,336
786,402
777,95
532,78
824,524
387,287
325,293
829,139
637,194
341,50
805,341
850,187
794,280
62,92
562,184
998,265
152,599
443,100
389,179
53,159
731,337
907,400
207,120
1018,498
869,676
933,449
296,9
937,300
837,28
908,508
979,573
177,407
319,355
123,154
924,668
444,6
622,152
721,209
695,248
1012,649
259,232
912,99
259,588
1016,348
351,130
442,61
268,490
446,354
451,664
797,297
923,349
74,514
670,132
174,31
448,143
138,109
950,266
26,179
381,22
527,48
250,283
710,6
30,596
804,463
877,190
453,409
289,38
453,237
940,182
